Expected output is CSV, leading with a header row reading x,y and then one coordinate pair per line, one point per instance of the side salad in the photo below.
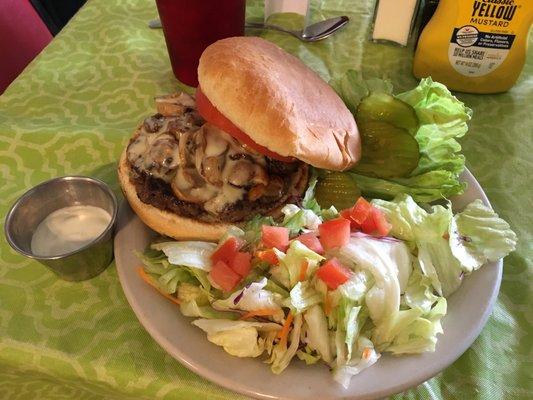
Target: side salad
x,y
338,288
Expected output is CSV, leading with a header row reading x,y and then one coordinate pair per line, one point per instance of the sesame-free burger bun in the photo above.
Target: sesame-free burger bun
x,y
279,102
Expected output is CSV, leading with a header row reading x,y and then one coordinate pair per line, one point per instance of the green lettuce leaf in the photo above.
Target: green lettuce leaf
x,y
188,253
475,236
307,356
352,88
192,309
478,235
411,222
364,357
297,219
389,262
309,202
288,270
188,292
252,228
356,286
302,297
440,266
443,119
350,320
253,296
238,338
419,293
426,187
419,335
281,354
317,332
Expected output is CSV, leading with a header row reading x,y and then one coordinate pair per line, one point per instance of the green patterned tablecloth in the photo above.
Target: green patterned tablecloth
x,y
72,111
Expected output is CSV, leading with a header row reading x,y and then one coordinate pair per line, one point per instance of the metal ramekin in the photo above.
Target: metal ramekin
x,y
37,203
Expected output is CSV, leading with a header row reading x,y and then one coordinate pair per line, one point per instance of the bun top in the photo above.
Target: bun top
x,y
279,102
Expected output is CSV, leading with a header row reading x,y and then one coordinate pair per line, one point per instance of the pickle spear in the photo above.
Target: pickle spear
x,y
336,189
386,108
387,151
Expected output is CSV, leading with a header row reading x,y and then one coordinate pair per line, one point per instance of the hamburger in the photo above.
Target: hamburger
x,y
241,146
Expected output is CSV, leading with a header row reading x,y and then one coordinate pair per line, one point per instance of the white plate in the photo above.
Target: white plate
x,y
468,311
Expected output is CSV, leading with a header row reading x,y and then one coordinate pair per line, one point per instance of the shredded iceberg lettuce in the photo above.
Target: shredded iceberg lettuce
x,y
478,235
188,254
393,300
449,246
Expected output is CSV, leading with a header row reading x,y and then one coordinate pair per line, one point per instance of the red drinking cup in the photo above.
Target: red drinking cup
x,y
191,26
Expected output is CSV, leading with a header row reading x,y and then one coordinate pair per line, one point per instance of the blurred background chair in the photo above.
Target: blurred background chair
x,y
26,27
22,36
56,13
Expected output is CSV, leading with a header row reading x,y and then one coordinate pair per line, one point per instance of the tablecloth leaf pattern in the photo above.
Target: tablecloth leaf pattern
x,y
72,111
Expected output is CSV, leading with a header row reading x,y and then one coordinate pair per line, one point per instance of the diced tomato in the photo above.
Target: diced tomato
x,y
368,226
382,225
333,273
242,263
376,223
210,113
268,256
275,236
334,233
224,276
360,212
311,242
366,217
227,251
346,214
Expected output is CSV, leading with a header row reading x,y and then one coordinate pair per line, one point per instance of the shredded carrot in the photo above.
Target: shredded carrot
x,y
146,278
261,312
366,353
284,332
303,270
327,304
446,236
267,255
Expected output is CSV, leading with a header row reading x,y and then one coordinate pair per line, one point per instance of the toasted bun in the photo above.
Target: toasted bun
x,y
279,102
164,222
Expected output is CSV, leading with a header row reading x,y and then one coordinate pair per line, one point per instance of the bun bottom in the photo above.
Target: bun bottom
x,y
175,226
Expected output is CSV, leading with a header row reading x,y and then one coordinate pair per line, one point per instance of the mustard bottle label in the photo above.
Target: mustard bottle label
x,y
475,46
480,47
477,53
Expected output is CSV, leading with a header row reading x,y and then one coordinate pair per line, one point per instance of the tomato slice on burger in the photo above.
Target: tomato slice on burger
x,y
209,112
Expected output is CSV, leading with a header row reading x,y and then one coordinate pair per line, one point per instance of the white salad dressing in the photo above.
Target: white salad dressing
x,y
68,229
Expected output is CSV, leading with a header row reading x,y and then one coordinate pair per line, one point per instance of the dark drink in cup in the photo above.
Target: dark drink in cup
x,y
191,26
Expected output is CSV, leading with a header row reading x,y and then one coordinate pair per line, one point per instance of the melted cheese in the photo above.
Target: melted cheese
x,y
217,144
157,153
209,151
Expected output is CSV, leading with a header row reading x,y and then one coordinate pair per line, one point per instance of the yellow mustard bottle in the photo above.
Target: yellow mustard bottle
x,y
475,46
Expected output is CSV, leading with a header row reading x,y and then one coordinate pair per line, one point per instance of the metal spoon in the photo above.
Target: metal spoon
x,y
311,33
